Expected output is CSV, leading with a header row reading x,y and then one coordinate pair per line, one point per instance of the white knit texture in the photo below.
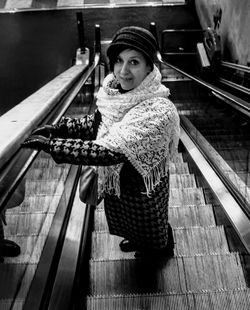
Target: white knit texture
x,y
143,124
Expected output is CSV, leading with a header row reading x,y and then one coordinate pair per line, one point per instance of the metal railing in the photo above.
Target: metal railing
x,y
231,65
239,210
239,104
240,202
235,76
19,164
16,161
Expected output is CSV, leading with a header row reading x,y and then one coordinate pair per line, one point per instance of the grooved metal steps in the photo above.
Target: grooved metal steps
x,y
203,274
189,241
218,299
181,216
179,274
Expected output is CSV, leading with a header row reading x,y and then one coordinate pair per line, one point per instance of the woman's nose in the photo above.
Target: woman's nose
x,y
124,68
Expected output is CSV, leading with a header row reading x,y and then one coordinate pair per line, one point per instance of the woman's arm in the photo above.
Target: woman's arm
x,y
75,151
84,128
79,152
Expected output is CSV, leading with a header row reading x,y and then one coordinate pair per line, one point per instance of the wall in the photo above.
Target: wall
x,y
234,27
36,46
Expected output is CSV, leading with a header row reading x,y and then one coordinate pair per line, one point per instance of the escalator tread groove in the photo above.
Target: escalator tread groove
x,y
202,261
221,299
178,274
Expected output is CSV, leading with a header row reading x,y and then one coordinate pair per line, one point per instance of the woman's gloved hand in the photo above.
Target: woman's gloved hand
x,y
37,142
46,131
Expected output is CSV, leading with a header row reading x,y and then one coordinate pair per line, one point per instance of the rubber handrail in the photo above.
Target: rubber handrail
x,y
22,159
235,66
244,105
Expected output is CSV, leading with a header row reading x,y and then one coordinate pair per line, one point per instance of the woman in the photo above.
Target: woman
x,y
131,138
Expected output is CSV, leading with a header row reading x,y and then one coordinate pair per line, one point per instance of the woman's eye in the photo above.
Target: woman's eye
x,y
118,60
134,62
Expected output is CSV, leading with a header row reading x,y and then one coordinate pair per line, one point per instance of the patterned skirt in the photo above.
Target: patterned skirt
x,y
135,216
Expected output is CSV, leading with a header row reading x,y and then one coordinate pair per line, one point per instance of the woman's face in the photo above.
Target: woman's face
x,y
131,68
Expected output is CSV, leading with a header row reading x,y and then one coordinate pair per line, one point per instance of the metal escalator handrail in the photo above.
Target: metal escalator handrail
x,y
77,88
235,66
18,122
238,209
238,102
57,288
229,178
238,87
15,169
237,216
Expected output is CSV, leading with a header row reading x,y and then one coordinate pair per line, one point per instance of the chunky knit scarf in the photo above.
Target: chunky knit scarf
x,y
142,124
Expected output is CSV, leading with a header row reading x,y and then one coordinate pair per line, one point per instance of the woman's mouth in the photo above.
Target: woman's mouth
x,y
125,79
126,83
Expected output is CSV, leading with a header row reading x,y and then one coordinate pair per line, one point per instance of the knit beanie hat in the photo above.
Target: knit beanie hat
x,y
136,38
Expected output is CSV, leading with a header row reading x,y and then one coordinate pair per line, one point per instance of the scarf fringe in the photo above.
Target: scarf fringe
x,y
156,174
108,183
111,185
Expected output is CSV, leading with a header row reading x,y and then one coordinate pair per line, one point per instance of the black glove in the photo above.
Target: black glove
x,y
47,131
38,143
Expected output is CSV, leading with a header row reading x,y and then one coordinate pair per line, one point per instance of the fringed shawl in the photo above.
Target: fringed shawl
x,y
142,124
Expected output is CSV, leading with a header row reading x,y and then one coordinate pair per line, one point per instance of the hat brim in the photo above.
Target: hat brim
x,y
116,48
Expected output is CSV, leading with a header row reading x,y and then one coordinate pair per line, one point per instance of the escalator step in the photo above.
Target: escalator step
x,y
179,168
145,301
200,240
182,180
36,204
178,158
26,223
188,241
191,215
186,196
47,174
178,274
47,187
221,299
181,216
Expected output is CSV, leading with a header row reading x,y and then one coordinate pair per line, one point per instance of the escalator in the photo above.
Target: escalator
x,y
226,129
210,268
203,272
40,223
70,261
